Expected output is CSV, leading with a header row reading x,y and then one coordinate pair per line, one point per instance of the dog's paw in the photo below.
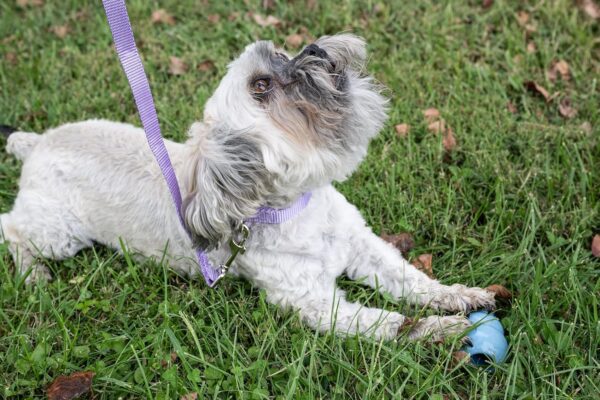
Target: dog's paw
x,y
461,298
436,328
39,273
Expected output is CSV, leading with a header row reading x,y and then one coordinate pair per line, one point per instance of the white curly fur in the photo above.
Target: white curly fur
x,y
96,181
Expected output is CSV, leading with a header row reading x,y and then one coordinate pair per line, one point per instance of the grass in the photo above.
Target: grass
x,y
516,203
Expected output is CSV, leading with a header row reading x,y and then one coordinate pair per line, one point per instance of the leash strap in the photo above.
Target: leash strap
x,y
118,20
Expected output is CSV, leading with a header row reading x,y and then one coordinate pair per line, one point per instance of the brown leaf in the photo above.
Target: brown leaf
x,y
268,4
161,16
460,357
33,3
523,18
596,246
214,18
437,127
189,396
402,241
431,114
559,68
70,387
423,263
586,127
402,130
11,58
206,65
294,40
449,141
565,108
233,16
500,292
61,31
269,20
174,357
531,47
177,66
590,8
311,4
511,107
487,4
538,89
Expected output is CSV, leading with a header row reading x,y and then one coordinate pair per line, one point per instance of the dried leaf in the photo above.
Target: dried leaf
x,y
402,241
485,4
311,4
206,65
431,114
523,18
565,108
531,47
500,292
189,396
269,20
596,246
174,357
423,263
590,8
460,357
586,127
61,31
177,66
538,89
233,16
294,40
70,387
33,3
559,68
161,16
214,18
511,107
268,4
449,141
402,130
11,58
437,127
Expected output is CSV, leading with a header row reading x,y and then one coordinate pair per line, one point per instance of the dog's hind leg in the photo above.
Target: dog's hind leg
x,y
382,266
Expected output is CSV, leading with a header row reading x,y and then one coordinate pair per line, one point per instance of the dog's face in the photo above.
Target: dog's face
x,y
291,124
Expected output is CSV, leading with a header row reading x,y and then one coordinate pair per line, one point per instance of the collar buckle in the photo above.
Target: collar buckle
x,y
236,246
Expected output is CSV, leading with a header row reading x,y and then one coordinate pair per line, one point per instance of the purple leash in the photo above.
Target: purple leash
x,y
118,19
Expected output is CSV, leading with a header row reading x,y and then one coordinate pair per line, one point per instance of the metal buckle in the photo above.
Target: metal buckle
x,y
236,247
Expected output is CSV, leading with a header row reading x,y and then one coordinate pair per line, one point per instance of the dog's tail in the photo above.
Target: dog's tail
x,y
19,144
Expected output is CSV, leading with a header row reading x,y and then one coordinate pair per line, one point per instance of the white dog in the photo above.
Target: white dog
x,y
274,129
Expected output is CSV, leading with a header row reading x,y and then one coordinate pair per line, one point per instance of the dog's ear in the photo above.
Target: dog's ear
x,y
225,181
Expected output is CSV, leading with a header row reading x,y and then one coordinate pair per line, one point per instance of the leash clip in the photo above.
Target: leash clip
x,y
236,247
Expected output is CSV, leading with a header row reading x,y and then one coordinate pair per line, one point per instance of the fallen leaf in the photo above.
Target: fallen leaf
x,y
269,20
11,58
449,141
189,396
294,40
590,8
523,18
311,4
26,3
214,18
161,16
61,31
559,68
566,109
70,387
268,4
586,127
460,357
531,47
500,292
174,357
538,89
402,130
402,241
233,16
206,65
511,107
423,263
487,4
177,66
431,114
596,246
437,126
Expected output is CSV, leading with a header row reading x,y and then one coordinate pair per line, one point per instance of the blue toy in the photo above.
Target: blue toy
x,y
487,339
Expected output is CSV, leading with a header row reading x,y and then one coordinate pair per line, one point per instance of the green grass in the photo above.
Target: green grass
x,y
516,203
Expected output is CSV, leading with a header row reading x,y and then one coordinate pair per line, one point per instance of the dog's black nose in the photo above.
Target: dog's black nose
x,y
313,50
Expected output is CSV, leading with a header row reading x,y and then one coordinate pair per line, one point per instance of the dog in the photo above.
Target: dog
x,y
275,128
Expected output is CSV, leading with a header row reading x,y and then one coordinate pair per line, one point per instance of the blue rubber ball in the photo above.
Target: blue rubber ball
x,y
487,339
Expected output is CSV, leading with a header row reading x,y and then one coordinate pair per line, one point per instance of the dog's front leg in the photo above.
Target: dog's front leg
x,y
382,266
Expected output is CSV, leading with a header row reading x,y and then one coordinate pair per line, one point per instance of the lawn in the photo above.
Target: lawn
x,y
515,202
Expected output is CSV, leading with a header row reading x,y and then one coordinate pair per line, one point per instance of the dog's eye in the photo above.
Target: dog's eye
x,y
261,85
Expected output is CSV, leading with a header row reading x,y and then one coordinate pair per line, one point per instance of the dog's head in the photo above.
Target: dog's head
x,y
278,126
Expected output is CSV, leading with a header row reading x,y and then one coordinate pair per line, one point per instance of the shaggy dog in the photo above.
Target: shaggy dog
x,y
275,128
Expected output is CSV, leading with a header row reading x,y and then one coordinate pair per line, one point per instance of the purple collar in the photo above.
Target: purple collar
x,y
268,215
